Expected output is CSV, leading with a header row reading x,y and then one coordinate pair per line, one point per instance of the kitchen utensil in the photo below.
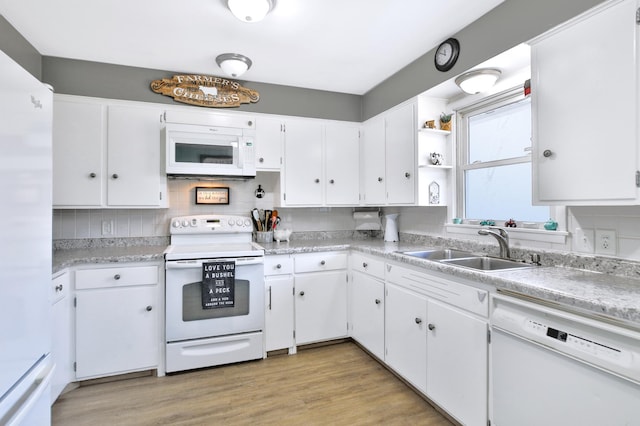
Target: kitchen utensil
x,y
255,215
267,220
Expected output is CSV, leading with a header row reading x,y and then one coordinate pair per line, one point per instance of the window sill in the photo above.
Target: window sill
x,y
523,234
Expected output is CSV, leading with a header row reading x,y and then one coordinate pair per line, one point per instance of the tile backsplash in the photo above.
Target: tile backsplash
x,y
120,223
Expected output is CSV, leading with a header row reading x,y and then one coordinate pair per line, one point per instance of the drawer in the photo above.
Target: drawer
x,y
457,294
315,262
278,265
368,265
59,287
116,277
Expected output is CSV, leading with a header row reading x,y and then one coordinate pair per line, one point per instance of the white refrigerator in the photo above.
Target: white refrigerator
x,y
25,247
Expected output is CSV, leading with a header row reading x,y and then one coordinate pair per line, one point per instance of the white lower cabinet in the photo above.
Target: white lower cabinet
x,y
320,296
406,336
117,319
61,340
436,338
279,302
457,362
367,303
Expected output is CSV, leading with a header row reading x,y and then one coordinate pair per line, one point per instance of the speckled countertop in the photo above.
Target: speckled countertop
x,y
601,294
595,293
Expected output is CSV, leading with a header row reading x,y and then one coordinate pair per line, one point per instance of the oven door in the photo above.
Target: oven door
x,y
187,319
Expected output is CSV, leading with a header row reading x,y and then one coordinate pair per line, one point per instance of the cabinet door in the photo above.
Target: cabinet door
x,y
269,143
303,163
321,306
342,145
78,142
400,135
584,110
457,363
116,331
61,343
279,312
133,162
405,334
373,163
367,313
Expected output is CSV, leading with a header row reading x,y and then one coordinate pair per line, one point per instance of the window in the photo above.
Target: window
x,y
495,162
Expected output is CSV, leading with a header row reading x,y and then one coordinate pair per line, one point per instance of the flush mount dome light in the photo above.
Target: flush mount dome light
x,y
250,10
478,81
233,64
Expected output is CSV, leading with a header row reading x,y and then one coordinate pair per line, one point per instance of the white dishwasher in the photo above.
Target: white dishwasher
x,y
550,367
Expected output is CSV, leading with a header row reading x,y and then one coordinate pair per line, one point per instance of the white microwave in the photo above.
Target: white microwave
x,y
196,150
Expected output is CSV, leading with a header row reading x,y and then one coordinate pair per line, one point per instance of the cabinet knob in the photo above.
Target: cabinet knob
x,y
278,266
379,179
317,181
418,320
302,293
116,277
322,262
59,287
261,160
331,181
249,123
407,175
149,308
431,326
364,264
378,301
92,175
547,153
115,176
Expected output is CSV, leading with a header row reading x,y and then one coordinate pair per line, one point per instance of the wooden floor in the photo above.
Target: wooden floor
x,y
330,385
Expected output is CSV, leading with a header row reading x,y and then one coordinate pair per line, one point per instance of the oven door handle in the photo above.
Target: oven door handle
x,y
189,264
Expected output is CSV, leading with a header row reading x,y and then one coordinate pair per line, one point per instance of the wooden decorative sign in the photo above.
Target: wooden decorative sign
x,y
205,90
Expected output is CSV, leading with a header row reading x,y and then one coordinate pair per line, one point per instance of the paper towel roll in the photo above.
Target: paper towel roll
x,y
367,221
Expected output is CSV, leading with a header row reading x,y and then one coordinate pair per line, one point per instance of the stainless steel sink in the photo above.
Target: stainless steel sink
x,y
439,254
485,263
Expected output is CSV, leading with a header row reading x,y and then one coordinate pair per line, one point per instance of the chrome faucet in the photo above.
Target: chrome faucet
x,y
503,240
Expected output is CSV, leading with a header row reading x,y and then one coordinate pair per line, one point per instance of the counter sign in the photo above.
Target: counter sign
x,y
218,284
205,90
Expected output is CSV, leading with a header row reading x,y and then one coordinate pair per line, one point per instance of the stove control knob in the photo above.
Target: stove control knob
x,y
176,224
239,222
185,223
231,222
247,222
194,222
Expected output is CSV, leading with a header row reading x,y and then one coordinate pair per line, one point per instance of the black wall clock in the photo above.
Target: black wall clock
x,y
447,54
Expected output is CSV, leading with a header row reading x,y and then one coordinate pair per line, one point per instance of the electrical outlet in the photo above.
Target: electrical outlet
x,y
107,227
606,242
583,240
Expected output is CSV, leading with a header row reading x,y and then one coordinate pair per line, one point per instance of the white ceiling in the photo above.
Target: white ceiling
x,y
345,46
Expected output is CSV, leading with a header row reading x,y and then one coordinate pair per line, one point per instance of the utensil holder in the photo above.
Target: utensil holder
x,y
264,236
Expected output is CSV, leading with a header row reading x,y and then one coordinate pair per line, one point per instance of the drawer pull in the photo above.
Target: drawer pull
x,y
278,266
59,287
116,277
322,262
364,264
149,308
378,301
418,320
431,327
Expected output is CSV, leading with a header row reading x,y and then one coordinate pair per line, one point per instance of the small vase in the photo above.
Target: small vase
x,y
445,126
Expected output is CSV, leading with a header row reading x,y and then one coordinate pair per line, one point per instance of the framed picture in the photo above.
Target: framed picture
x,y
218,195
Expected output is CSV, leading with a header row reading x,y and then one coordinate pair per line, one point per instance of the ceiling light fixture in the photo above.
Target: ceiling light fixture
x,y
478,81
251,10
233,64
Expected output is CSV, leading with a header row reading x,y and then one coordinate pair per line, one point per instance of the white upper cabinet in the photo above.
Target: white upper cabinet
x,y
321,163
106,155
584,106
269,137
389,158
